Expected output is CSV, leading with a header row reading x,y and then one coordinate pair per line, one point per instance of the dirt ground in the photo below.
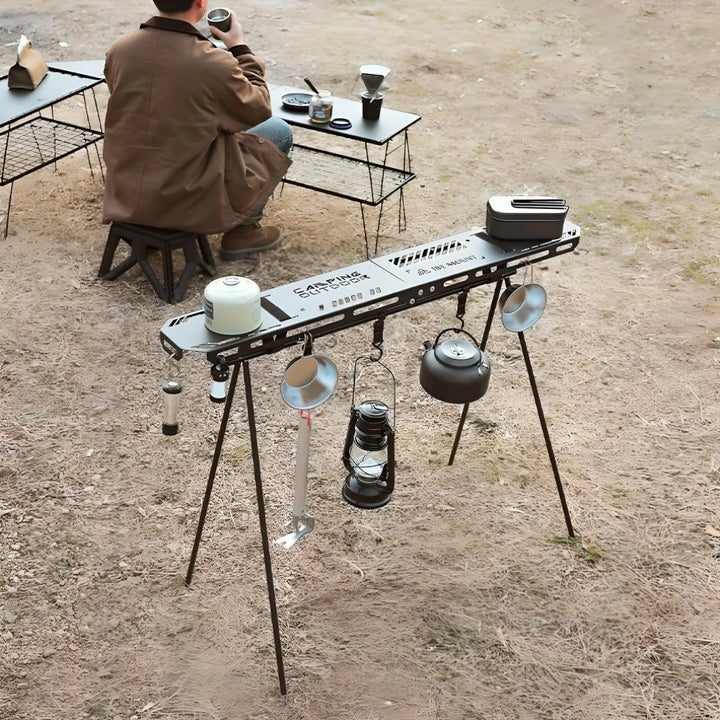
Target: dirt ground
x,y
463,598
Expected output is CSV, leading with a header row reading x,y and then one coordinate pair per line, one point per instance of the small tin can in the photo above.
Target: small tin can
x,y
321,107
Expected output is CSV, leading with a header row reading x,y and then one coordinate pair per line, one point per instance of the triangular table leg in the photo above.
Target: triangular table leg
x,y
260,502
546,434
538,405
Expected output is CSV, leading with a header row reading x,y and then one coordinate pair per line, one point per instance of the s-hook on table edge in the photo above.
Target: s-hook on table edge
x,y
344,298
345,176
40,140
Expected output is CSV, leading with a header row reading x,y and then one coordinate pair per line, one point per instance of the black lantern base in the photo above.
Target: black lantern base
x,y
169,428
362,495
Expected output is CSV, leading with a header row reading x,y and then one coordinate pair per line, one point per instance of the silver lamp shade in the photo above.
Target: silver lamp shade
x,y
308,382
521,306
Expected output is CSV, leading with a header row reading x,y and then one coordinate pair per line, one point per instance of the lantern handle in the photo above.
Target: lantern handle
x,y
371,359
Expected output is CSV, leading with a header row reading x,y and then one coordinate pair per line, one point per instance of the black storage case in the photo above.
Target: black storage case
x,y
525,218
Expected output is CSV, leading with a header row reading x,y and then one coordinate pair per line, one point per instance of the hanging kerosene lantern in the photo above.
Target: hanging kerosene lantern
x,y
172,387
369,452
369,457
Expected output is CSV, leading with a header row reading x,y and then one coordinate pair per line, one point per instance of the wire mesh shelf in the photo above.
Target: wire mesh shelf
x,y
343,176
39,142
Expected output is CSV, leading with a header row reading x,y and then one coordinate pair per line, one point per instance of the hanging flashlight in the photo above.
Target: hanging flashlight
x,y
171,388
218,385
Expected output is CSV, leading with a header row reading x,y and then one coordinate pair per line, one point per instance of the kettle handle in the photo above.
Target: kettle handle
x,y
456,330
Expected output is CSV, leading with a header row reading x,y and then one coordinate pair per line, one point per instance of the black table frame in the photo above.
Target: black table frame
x,y
359,179
450,266
31,140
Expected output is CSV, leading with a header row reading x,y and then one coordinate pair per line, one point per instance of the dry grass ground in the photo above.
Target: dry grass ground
x,y
463,598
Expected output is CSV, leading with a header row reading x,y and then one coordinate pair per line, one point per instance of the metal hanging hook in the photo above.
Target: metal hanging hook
x,y
307,343
173,366
525,265
460,313
378,330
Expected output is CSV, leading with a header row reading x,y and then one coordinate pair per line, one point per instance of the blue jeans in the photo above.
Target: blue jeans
x,y
279,133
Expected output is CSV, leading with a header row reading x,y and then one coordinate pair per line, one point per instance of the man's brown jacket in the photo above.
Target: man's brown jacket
x,y
174,149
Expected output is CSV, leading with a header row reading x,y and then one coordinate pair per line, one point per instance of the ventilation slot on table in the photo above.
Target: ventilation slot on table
x,y
427,253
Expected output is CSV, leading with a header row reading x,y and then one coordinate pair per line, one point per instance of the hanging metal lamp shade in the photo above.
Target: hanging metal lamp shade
x,y
521,306
308,382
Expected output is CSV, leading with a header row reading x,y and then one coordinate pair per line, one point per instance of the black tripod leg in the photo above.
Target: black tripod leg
x,y
213,470
491,314
458,433
263,528
486,334
546,434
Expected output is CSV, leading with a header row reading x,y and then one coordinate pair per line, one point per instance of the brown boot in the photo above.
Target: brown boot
x,y
244,240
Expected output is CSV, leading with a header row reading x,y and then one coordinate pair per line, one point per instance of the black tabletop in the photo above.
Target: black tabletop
x,y
88,68
60,83
376,132
339,299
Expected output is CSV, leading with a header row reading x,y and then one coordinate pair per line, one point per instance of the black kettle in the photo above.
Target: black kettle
x,y
454,370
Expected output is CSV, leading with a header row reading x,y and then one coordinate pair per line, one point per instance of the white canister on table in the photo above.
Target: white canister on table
x,y
232,306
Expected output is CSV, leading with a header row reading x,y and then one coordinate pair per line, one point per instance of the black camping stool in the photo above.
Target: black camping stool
x,y
142,240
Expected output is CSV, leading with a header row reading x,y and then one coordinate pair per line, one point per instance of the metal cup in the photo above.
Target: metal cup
x,y
220,18
371,104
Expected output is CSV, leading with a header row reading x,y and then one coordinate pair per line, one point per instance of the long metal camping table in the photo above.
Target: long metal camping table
x,y
336,300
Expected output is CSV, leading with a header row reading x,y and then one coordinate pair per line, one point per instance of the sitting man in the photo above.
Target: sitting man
x,y
190,141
